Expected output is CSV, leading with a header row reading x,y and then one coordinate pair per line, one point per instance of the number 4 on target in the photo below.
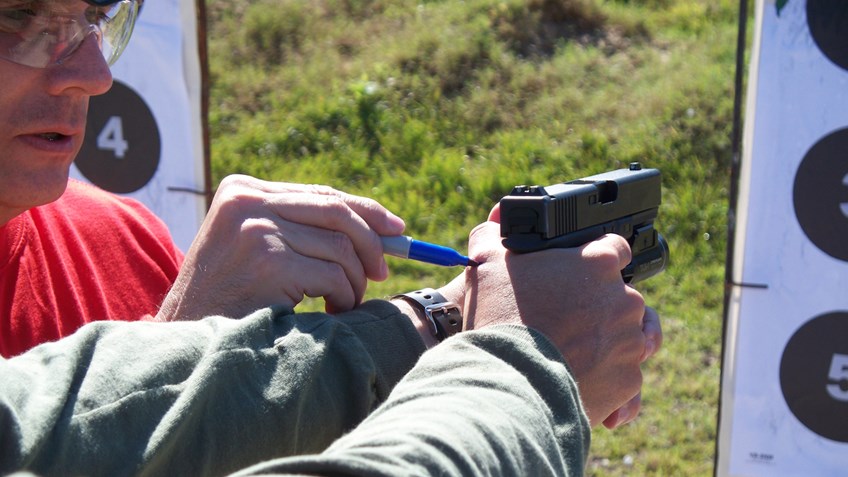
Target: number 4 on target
x,y
111,137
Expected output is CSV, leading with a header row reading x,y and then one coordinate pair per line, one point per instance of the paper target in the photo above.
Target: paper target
x,y
784,402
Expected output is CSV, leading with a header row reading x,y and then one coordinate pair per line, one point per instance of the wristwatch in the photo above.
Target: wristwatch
x,y
444,316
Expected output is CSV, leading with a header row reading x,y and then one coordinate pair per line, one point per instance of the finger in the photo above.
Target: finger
x,y
483,241
329,212
625,414
328,246
270,187
383,221
495,213
325,279
652,329
374,214
361,218
610,244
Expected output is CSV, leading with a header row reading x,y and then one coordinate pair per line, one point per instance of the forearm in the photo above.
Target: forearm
x,y
493,402
198,398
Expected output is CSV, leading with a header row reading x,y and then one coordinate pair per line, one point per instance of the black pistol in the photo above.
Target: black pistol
x,y
623,202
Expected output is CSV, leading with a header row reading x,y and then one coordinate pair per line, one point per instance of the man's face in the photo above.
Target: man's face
x,y
42,121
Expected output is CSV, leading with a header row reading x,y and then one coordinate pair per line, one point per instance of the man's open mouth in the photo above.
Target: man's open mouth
x,y
52,136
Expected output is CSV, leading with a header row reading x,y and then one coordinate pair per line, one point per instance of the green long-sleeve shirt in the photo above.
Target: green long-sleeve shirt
x,y
219,395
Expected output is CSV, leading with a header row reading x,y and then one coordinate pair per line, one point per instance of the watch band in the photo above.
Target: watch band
x,y
444,316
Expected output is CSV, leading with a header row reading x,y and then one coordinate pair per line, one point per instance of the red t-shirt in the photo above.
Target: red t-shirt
x,y
86,257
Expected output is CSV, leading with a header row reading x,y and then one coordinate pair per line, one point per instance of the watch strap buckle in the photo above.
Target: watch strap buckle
x,y
444,316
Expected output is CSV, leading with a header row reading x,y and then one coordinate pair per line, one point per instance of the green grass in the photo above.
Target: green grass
x,y
438,108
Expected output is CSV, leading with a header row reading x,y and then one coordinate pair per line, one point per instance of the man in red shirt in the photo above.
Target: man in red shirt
x,y
88,255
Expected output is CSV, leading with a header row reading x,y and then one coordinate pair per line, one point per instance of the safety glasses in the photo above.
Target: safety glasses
x,y
40,33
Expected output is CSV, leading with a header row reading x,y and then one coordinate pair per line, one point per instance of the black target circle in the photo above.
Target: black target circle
x,y
828,23
814,375
821,194
122,146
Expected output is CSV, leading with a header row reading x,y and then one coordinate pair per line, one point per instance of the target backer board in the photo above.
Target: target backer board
x,y
145,137
784,404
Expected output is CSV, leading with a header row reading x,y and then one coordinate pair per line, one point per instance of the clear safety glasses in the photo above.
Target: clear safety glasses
x,y
39,33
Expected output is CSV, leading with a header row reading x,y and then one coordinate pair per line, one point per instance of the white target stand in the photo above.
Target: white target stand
x,y
146,138
784,404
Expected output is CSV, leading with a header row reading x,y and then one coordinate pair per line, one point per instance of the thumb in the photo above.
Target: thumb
x,y
495,213
482,239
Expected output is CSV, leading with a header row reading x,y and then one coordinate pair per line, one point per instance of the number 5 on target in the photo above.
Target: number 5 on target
x,y
839,374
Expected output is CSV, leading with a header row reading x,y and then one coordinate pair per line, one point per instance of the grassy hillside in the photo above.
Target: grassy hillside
x,y
438,108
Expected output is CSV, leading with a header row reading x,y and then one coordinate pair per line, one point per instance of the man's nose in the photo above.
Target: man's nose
x,y
84,71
